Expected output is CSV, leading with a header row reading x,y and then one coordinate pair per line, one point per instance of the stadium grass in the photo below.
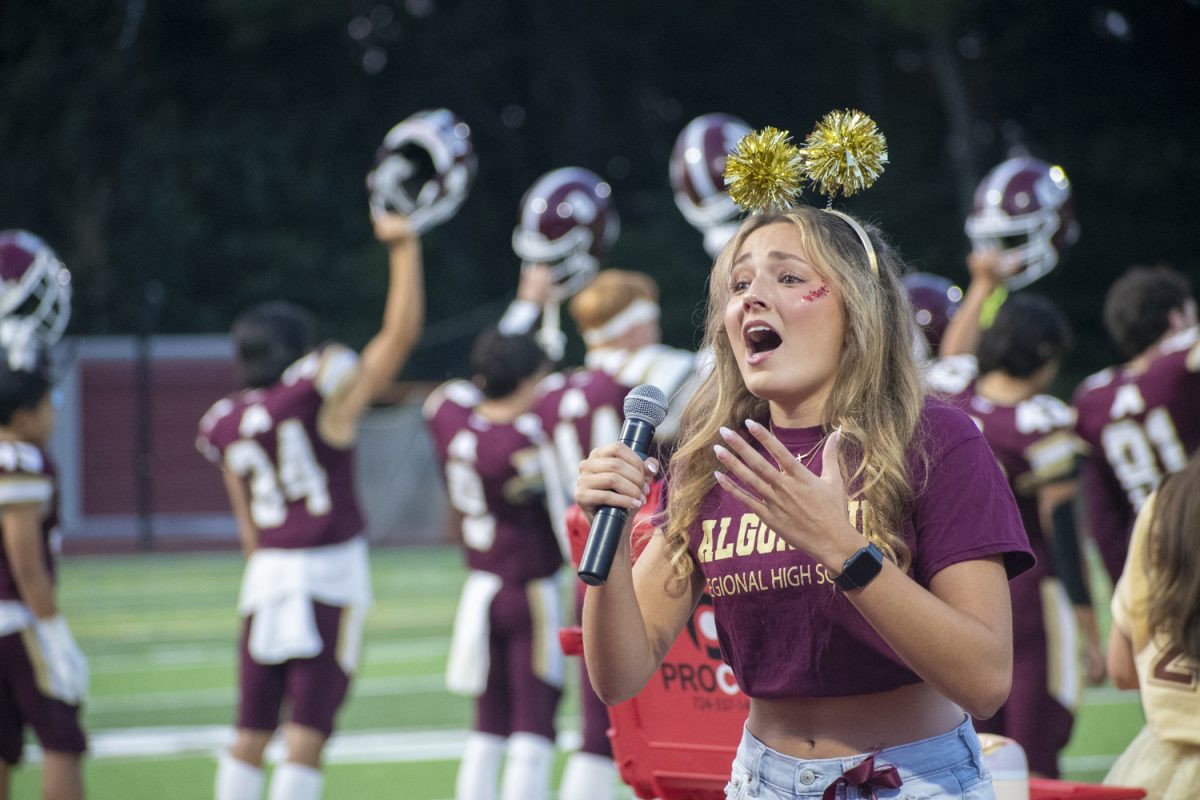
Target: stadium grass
x,y
159,632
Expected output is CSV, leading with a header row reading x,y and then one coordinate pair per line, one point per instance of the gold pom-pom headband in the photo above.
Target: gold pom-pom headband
x,y
845,152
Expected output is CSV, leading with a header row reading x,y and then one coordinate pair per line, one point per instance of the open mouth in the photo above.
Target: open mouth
x,y
761,339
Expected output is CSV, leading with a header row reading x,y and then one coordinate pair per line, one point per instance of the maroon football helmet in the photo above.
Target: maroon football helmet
x,y
423,169
567,221
34,285
1023,207
697,171
934,301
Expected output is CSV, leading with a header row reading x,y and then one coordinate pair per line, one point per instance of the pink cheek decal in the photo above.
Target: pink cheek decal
x,y
816,294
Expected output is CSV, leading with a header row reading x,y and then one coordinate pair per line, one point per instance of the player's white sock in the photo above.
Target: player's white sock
x,y
237,780
295,782
588,776
527,768
479,770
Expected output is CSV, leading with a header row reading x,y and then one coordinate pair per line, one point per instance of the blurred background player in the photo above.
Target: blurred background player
x,y
617,315
285,445
1139,418
1031,433
1154,645
505,650
43,673
697,175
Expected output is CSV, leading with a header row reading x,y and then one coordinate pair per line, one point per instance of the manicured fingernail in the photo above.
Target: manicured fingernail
x,y
720,451
720,476
652,465
637,503
726,434
752,425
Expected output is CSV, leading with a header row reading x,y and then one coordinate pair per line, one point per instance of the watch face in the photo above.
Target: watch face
x,y
860,568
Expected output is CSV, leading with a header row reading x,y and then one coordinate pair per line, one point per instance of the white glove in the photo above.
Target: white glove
x,y
65,662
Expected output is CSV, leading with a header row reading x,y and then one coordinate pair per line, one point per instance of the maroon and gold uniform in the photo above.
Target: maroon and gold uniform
x,y
1035,445
27,476
505,650
306,587
582,409
1139,426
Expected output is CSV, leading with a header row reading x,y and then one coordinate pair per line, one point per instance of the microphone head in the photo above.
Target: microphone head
x,y
646,402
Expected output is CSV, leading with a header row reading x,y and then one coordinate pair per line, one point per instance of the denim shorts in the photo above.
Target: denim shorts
x,y
946,766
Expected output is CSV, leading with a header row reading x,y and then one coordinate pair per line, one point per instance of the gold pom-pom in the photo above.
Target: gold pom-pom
x,y
763,171
845,152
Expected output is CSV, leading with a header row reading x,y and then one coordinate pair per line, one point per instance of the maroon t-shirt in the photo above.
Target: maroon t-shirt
x,y
300,487
1139,427
493,476
782,625
27,475
1034,441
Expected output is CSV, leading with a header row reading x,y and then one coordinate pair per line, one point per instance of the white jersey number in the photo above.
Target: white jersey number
x,y
297,477
465,488
1135,452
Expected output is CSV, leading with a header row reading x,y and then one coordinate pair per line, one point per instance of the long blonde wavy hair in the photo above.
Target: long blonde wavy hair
x,y
877,395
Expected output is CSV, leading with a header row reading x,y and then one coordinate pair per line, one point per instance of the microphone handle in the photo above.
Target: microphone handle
x,y
609,522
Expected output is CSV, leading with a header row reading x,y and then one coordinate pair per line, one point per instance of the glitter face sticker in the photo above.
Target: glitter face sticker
x,y
816,294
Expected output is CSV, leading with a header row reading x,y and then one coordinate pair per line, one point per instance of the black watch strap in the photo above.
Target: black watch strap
x,y
860,568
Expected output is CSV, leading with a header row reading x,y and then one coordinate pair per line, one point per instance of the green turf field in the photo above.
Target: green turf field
x,y
159,632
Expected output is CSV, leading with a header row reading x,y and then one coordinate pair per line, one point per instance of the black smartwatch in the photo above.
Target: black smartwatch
x,y
860,568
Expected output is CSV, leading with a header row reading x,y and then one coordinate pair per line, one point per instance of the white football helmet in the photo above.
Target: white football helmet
x,y
424,169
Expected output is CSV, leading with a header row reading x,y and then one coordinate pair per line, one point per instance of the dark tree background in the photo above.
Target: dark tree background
x,y
205,155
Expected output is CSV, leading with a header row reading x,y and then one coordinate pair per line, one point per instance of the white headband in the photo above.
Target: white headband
x,y
635,313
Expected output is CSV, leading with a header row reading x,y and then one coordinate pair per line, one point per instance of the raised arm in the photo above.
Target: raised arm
x,y
631,621
962,332
403,317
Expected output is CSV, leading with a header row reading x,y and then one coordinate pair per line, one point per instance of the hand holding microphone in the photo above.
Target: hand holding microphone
x,y
645,409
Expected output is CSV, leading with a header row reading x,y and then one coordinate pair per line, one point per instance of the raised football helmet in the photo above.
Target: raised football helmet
x,y
697,172
934,300
568,221
1023,208
423,169
34,285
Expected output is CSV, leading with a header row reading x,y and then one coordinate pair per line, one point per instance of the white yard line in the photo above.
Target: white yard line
x,y
176,699
351,747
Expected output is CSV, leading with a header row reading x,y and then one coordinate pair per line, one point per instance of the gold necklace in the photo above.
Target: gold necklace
x,y
812,451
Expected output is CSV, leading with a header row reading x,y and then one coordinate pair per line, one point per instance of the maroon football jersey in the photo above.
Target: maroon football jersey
x,y
301,488
27,475
584,408
493,476
1139,427
783,627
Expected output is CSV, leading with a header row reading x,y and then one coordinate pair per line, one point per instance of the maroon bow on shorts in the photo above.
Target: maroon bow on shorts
x,y
864,776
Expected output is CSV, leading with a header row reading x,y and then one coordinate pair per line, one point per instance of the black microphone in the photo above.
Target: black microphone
x,y
645,409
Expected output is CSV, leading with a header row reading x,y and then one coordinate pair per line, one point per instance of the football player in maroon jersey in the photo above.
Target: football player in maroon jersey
x,y
505,650
43,673
617,315
285,445
1002,387
1139,418
856,536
